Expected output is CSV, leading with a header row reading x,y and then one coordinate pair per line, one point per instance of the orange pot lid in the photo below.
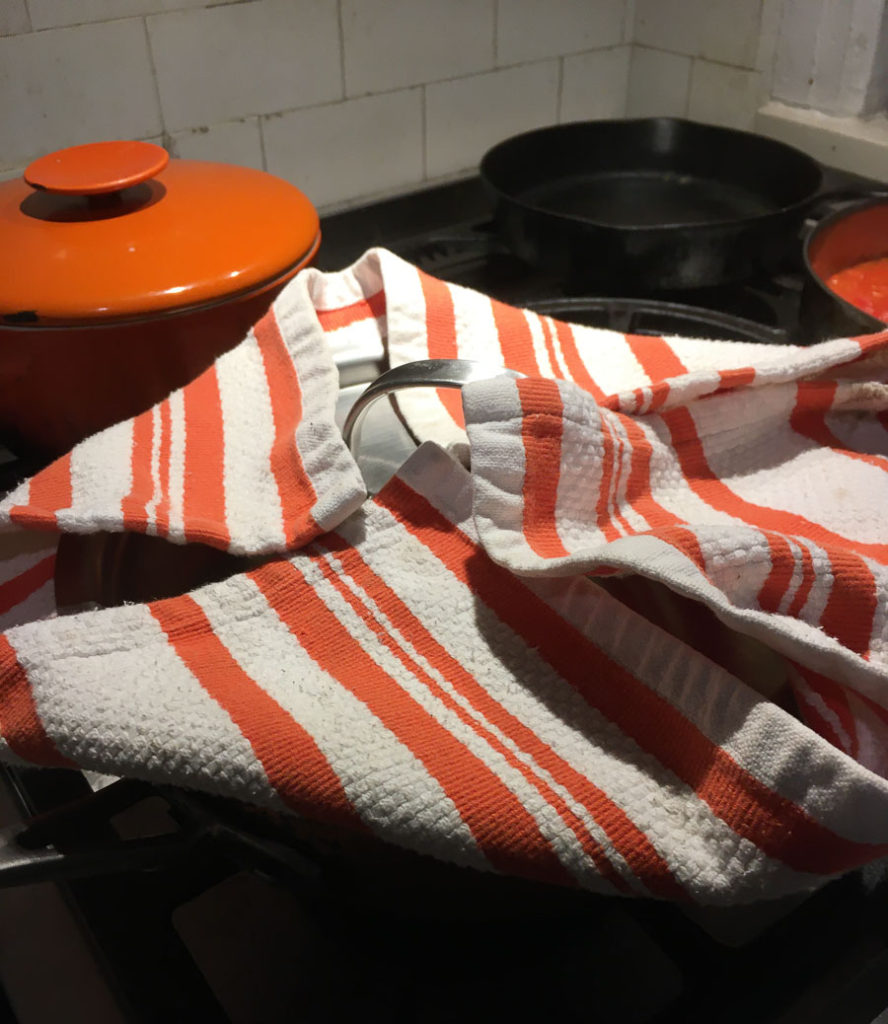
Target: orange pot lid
x,y
116,230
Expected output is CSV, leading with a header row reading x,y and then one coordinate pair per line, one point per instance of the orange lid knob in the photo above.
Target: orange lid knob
x,y
97,168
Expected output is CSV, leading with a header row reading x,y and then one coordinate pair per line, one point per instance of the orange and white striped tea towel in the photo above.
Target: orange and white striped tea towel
x,y
394,676
750,478
246,458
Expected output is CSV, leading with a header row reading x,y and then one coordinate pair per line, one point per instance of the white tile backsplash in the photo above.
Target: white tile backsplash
x,y
831,57
832,63
629,21
658,84
466,116
723,95
55,13
233,142
13,17
532,29
340,152
595,85
722,30
769,29
390,44
50,102
673,25
797,43
217,79
204,75
220,63
730,31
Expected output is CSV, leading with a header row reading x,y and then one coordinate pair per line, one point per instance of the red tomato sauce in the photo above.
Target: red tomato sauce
x,y
864,285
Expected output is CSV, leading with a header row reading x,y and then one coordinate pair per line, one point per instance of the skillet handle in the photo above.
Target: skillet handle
x,y
826,202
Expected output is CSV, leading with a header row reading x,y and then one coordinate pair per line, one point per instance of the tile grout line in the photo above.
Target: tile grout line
x,y
770,43
629,16
423,128
813,67
341,47
559,97
870,77
469,75
624,106
629,80
418,85
687,102
121,17
167,138
688,56
261,127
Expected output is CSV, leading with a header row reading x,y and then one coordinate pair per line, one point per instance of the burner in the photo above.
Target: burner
x,y
475,257
762,309
654,317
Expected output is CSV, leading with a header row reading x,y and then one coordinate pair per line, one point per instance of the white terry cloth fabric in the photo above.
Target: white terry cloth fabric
x,y
391,677
247,458
399,675
752,478
736,501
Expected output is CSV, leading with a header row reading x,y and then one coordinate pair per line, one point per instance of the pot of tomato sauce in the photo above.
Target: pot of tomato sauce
x,y
846,263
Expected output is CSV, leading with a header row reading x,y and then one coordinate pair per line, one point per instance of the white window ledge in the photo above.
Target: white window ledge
x,y
850,143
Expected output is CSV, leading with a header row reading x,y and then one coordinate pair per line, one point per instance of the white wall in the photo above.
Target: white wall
x,y
710,60
720,60
813,73
831,57
352,99
346,98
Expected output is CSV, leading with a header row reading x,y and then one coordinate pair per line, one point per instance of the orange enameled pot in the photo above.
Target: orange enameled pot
x,y
124,274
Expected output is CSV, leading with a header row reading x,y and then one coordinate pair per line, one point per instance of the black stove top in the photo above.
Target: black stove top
x,y
478,260
221,913
466,250
450,232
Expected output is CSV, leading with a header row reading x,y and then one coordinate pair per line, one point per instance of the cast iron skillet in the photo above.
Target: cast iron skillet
x,y
660,202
